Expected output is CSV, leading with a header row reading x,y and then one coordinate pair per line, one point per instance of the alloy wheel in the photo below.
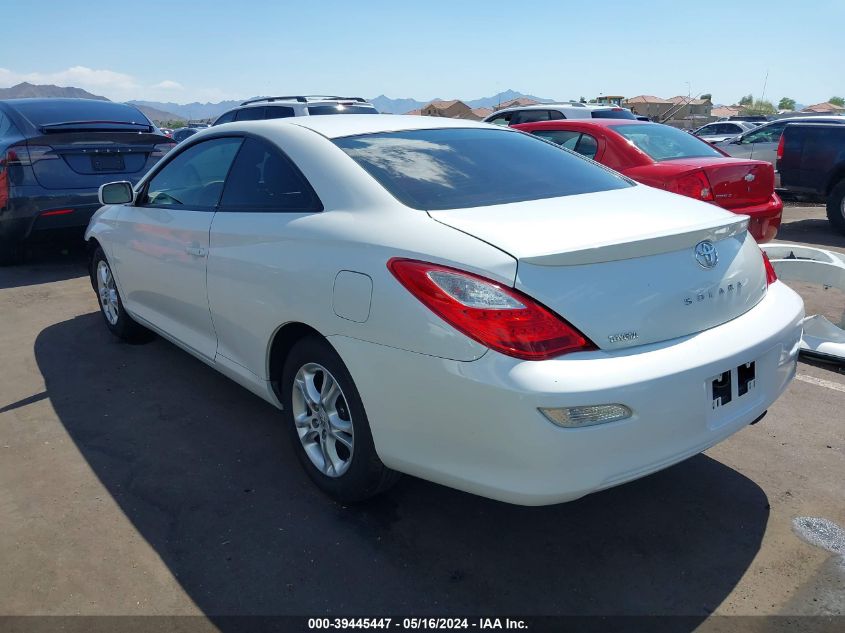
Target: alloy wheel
x,y
322,418
107,292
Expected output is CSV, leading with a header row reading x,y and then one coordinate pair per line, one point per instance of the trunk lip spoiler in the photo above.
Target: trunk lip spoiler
x,y
642,247
49,127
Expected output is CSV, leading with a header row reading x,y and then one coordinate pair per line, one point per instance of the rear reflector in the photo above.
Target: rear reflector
x,y
496,316
575,417
57,212
780,146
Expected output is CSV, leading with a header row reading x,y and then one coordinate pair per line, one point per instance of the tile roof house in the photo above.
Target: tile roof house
x,y
482,113
648,105
826,107
724,112
454,109
516,103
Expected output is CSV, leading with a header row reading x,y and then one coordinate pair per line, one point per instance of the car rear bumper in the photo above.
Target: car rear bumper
x,y
765,218
30,216
475,425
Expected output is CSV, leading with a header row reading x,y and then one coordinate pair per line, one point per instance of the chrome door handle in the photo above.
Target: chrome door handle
x,y
196,251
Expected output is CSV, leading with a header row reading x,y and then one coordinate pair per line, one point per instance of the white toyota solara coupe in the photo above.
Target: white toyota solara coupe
x,y
464,303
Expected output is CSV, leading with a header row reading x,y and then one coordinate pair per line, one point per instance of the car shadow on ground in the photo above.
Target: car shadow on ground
x,y
813,231
46,263
207,476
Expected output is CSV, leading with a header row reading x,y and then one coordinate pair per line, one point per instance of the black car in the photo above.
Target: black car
x,y
183,132
55,154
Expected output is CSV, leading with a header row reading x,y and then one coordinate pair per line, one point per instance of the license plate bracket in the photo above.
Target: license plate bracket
x,y
107,162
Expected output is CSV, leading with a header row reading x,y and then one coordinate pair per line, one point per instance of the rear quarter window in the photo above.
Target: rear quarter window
x,y
613,113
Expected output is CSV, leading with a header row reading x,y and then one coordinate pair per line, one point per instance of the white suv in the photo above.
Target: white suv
x,y
297,105
555,111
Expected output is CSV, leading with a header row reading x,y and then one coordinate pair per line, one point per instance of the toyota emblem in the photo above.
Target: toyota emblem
x,y
706,255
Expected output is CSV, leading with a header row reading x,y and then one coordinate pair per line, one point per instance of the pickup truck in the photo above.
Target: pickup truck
x,y
811,162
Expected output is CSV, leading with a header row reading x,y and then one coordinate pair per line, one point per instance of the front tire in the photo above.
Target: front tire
x,y
111,306
328,425
836,207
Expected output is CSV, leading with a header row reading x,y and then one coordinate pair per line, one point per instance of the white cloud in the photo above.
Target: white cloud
x,y
167,84
115,85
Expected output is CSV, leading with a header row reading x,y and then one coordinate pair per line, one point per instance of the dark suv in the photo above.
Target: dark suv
x,y
55,154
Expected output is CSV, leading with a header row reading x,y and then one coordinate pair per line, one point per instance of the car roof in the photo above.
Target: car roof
x,y
540,125
558,105
354,124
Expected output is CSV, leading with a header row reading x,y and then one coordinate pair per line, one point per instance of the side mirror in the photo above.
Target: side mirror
x,y
116,193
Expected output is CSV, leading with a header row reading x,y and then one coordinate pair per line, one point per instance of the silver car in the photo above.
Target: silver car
x,y
723,130
762,143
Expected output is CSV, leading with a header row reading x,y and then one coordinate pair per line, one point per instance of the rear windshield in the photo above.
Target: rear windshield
x,y
663,142
53,111
613,113
459,168
341,109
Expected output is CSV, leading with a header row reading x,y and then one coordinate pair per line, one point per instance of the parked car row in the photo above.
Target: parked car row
x,y
462,302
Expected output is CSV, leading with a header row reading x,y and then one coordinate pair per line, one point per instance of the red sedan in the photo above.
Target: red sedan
x,y
667,158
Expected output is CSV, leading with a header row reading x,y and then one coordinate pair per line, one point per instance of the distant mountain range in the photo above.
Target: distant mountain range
x,y
168,111
382,103
28,91
401,106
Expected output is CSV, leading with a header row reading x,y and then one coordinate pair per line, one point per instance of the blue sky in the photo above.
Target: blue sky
x,y
210,50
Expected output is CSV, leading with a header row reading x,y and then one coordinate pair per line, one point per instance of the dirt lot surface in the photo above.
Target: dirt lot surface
x,y
136,480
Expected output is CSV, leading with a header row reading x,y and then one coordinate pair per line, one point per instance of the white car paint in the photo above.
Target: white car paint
x,y
441,405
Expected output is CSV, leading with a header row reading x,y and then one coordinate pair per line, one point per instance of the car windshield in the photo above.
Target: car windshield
x,y
662,142
341,109
459,168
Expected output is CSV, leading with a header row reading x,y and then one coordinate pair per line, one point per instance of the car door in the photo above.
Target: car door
x,y
256,255
760,144
161,243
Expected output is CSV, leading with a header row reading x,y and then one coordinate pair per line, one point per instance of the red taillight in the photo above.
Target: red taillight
x,y
29,154
161,149
694,185
780,146
771,275
496,316
57,212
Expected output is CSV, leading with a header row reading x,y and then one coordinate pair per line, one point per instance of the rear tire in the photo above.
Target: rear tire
x,y
836,207
328,425
117,320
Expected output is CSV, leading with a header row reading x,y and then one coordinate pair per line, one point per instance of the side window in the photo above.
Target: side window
x,y
587,146
767,134
733,128
194,178
249,114
530,116
564,138
226,118
278,112
556,115
502,119
263,179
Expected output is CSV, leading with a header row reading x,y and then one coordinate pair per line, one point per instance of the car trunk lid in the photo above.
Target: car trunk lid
x,y
81,159
621,265
734,182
